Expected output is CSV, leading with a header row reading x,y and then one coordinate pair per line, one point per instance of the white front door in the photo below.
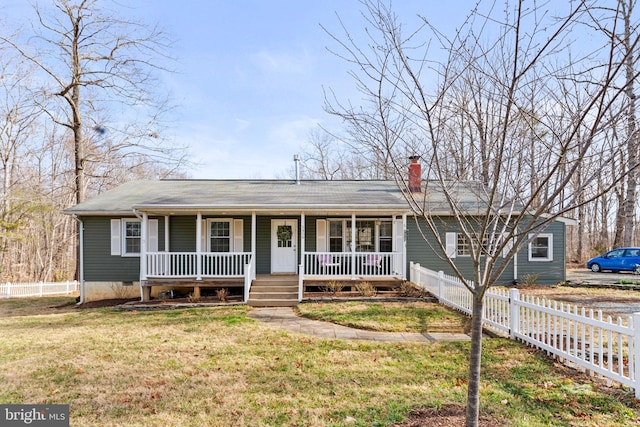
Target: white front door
x,y
284,241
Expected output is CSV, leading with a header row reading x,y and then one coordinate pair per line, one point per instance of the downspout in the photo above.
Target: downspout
x,y
81,258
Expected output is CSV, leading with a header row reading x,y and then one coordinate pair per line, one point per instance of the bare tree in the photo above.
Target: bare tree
x,y
79,114
507,96
324,157
91,61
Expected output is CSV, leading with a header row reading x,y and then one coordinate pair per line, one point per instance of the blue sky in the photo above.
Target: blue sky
x,y
253,78
251,74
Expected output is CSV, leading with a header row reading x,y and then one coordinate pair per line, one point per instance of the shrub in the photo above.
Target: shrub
x,y
222,294
366,289
332,287
529,279
119,290
193,299
408,289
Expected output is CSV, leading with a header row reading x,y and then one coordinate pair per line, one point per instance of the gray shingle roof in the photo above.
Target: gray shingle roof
x,y
242,194
259,195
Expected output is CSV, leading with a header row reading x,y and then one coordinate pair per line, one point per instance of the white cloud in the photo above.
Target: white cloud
x,y
298,62
293,133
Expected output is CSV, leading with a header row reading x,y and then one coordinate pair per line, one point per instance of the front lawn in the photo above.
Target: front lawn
x,y
217,367
388,316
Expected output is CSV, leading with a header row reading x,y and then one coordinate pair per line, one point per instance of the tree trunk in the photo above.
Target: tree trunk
x,y
629,203
475,358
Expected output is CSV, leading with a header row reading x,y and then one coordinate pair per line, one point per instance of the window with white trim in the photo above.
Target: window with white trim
x,y
371,235
220,236
126,236
336,240
541,247
463,244
132,237
385,237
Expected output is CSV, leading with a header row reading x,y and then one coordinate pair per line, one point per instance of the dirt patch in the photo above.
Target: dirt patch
x,y
104,303
445,416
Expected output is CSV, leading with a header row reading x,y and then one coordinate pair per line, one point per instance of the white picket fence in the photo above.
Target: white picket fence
x,y
37,289
578,337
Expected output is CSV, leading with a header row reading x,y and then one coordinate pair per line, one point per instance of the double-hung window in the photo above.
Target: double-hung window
x,y
220,236
336,239
385,239
541,247
126,236
463,245
131,242
459,244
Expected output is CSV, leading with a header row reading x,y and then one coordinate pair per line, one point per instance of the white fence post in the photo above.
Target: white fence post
x,y
37,289
514,308
411,275
636,353
600,346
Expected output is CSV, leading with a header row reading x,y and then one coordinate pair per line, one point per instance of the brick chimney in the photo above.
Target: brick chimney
x,y
415,175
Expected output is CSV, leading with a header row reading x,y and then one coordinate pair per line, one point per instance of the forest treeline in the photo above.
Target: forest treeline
x,y
81,111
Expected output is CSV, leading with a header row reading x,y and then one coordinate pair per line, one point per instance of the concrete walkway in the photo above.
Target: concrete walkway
x,y
285,318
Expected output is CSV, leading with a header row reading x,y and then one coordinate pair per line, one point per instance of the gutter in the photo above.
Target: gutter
x,y
80,258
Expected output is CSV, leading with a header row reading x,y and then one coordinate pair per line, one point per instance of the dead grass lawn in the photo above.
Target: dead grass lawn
x,y
217,367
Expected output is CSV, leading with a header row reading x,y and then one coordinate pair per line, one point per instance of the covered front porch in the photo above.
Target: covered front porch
x,y
236,247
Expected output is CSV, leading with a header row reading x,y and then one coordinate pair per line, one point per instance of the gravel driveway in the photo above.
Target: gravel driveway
x,y
613,302
583,275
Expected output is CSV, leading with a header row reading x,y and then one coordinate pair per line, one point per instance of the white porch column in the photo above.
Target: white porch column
x,y
166,256
199,246
254,228
404,247
166,233
303,231
353,245
143,246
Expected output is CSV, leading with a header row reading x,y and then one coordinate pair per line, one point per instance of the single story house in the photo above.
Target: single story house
x,y
145,237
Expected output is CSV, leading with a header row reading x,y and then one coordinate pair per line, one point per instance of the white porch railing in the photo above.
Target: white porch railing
x,y
576,336
360,264
37,289
185,264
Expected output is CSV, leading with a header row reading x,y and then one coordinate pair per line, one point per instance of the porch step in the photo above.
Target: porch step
x,y
274,291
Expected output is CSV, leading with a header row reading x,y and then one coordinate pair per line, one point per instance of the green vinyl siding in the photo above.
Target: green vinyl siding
x,y
424,250
548,272
427,254
310,239
263,245
99,264
182,233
